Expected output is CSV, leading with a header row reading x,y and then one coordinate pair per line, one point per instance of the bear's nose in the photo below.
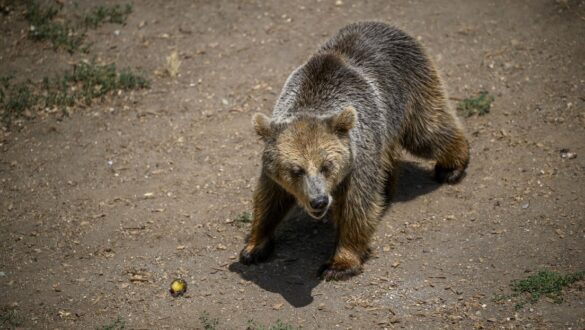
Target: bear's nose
x,y
320,202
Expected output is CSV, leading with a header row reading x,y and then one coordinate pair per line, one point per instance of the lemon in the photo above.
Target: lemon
x,y
178,287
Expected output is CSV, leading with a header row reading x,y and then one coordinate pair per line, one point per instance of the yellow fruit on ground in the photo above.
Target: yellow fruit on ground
x,y
178,287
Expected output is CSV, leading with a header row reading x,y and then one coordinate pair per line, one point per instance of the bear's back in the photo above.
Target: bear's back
x,y
390,59
372,66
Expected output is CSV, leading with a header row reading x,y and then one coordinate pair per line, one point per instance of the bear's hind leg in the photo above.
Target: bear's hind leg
x,y
432,131
271,203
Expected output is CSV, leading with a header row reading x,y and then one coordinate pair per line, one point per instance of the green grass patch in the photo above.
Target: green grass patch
x,y
67,33
10,318
81,85
118,324
15,99
87,81
243,219
207,322
544,283
103,14
43,26
278,325
479,105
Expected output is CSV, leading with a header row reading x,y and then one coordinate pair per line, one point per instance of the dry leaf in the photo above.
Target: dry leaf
x,y
173,64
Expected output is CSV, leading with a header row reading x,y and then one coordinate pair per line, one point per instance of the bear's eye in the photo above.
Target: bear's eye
x,y
296,171
326,167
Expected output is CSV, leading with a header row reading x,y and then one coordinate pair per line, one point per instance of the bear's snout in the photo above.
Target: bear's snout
x,y
319,203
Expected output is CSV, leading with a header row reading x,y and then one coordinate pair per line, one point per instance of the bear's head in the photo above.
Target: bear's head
x,y
308,156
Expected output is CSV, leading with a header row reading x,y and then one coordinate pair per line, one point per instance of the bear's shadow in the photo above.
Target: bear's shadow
x,y
303,244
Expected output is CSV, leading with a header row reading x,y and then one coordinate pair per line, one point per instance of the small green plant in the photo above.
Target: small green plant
x,y
549,284
479,105
65,33
81,85
278,325
207,322
88,81
9,318
118,324
44,27
243,218
103,14
14,99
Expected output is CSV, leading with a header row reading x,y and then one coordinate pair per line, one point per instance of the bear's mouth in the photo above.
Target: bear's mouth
x,y
318,214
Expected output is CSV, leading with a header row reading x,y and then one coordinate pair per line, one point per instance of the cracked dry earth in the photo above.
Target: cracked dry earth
x,y
101,209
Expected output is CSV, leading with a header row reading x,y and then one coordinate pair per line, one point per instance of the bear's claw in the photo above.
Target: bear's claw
x,y
449,175
333,272
257,254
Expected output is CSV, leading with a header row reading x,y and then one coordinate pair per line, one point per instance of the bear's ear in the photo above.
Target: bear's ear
x,y
345,120
261,124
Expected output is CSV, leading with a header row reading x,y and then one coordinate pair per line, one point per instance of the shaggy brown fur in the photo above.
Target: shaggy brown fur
x,y
335,134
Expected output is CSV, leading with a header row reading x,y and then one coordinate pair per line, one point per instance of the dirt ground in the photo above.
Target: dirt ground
x,y
100,210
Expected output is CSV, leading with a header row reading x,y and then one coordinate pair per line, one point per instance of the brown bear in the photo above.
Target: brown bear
x,y
334,137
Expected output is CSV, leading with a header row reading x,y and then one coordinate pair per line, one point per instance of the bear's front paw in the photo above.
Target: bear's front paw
x,y
255,254
339,272
449,175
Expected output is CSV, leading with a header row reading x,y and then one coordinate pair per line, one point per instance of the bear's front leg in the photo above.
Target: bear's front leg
x,y
271,203
356,219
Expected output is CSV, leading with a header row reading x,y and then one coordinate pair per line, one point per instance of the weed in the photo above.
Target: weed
x,y
86,82
103,14
479,105
81,85
65,33
278,325
9,318
44,27
243,218
549,284
14,99
128,80
118,324
211,324
207,322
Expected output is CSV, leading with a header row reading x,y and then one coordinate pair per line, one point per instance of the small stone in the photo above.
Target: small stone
x,y
63,314
567,154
